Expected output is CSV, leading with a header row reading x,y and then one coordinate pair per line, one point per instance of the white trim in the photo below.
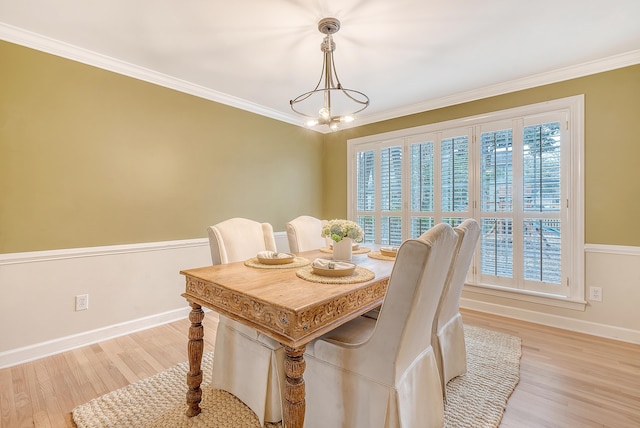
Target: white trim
x,y
612,249
556,321
527,296
573,189
51,347
45,44
567,73
75,253
574,101
65,50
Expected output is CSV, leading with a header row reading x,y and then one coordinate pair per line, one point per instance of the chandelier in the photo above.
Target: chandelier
x,y
329,103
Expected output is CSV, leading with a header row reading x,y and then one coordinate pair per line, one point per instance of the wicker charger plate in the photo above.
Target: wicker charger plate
x,y
296,263
359,275
360,250
344,269
279,261
379,256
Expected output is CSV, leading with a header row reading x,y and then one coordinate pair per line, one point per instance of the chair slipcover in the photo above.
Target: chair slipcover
x,y
239,239
451,351
247,364
383,373
305,233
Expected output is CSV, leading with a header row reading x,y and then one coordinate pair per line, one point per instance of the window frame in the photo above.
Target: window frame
x,y
572,183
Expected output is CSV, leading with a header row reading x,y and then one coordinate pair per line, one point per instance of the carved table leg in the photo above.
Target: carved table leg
x,y
294,405
194,349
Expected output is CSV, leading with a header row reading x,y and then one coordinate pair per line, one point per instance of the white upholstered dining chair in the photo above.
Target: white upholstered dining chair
x,y
305,233
450,347
383,373
246,363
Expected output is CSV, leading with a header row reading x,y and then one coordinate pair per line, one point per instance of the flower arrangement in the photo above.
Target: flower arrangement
x,y
339,229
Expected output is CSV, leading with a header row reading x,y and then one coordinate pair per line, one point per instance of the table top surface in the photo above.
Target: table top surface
x,y
281,305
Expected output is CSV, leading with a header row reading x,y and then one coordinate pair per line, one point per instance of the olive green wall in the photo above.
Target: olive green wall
x,y
90,158
612,148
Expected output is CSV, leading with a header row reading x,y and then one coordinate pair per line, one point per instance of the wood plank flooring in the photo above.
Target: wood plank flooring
x,y
566,379
569,379
42,393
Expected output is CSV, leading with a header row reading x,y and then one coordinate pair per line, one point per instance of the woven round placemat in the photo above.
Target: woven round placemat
x,y
361,250
296,263
378,255
359,275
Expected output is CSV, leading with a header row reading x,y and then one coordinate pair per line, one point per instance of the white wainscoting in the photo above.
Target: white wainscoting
x,y
134,287
615,269
130,287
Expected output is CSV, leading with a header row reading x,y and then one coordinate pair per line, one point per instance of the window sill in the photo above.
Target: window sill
x,y
527,296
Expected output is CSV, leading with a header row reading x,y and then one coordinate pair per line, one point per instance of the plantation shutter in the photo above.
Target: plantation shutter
x,y
391,195
541,226
513,173
454,178
496,201
366,193
422,186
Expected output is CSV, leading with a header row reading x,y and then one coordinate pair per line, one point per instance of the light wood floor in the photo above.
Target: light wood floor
x,y
566,379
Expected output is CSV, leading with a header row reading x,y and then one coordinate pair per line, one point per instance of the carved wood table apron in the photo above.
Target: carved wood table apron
x,y
280,305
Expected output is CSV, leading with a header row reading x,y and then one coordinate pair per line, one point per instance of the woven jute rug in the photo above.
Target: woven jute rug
x,y
476,399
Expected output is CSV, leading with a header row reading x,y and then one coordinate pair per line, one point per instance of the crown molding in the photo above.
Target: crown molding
x,y
65,50
55,47
580,70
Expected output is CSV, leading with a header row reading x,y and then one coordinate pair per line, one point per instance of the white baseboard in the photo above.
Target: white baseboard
x,y
571,324
51,347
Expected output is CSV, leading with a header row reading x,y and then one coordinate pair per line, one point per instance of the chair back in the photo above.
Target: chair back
x,y
305,233
239,239
410,305
468,234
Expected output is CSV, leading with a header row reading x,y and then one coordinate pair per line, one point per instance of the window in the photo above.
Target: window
x,y
517,172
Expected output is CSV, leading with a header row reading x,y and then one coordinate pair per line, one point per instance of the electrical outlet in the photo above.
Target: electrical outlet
x,y
82,302
595,294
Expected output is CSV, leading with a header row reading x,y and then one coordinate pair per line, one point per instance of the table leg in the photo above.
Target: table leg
x,y
194,349
294,405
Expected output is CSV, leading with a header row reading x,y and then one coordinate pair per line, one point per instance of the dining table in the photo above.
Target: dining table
x,y
290,304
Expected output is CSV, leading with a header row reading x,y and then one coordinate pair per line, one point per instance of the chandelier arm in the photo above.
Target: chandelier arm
x,y
329,75
302,97
347,91
335,73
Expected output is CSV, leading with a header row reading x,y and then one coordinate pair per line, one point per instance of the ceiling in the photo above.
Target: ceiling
x,y
406,55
